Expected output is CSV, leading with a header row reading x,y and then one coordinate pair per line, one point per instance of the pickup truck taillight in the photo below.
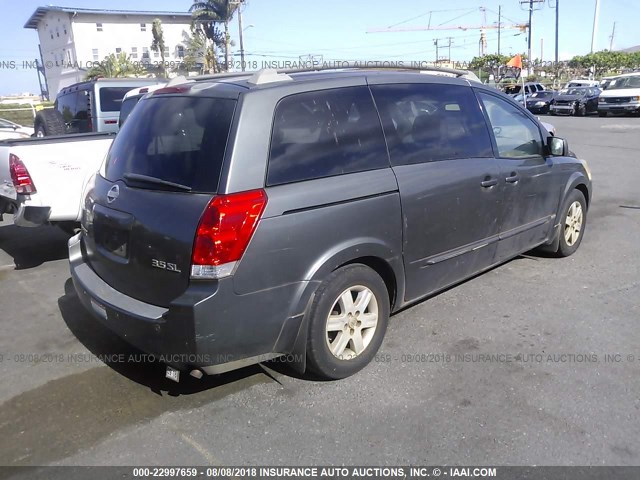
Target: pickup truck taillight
x,y
20,175
224,231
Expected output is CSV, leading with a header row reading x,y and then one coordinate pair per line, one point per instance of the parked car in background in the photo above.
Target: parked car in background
x,y
581,82
13,130
376,189
91,106
578,101
529,88
539,102
622,96
606,81
131,99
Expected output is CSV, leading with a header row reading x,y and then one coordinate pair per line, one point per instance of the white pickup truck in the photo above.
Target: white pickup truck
x,y
42,179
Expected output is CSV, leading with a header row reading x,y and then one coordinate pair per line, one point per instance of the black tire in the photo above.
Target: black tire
x,y
581,110
320,358
568,246
70,228
49,122
602,114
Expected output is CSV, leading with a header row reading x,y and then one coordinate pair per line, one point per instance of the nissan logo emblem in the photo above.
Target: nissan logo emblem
x,y
113,193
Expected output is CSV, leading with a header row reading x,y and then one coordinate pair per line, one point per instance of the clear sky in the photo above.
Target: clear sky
x,y
336,29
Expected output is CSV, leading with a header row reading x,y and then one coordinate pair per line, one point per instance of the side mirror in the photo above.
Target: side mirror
x,y
558,147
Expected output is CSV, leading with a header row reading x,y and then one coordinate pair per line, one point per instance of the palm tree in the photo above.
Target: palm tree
x,y
157,45
114,66
197,51
211,11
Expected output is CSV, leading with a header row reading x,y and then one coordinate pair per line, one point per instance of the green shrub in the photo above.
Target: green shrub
x,y
22,117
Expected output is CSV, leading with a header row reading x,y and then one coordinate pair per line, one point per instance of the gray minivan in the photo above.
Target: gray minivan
x,y
243,218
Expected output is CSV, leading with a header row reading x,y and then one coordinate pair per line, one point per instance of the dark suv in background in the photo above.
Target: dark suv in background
x,y
242,218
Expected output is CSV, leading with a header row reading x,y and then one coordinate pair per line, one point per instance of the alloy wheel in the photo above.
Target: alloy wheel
x,y
573,223
352,322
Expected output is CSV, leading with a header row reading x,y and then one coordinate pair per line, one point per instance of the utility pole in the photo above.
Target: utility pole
x,y
529,39
449,45
557,29
499,25
531,4
435,42
594,32
613,34
242,65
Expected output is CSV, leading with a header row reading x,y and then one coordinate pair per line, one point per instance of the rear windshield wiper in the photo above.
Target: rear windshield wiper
x,y
136,177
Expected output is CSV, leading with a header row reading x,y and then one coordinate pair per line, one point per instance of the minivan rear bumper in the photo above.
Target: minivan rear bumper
x,y
220,332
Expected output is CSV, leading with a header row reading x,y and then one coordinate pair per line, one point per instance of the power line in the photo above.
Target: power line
x,y
429,13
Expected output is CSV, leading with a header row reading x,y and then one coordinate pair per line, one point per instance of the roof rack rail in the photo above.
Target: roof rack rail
x,y
269,75
212,76
360,66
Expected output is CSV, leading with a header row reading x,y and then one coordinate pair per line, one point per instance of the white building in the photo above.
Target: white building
x,y
71,39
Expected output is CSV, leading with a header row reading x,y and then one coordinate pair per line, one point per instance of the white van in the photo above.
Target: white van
x,y
621,96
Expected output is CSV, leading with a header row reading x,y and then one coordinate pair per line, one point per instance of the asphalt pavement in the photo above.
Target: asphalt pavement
x,y
535,362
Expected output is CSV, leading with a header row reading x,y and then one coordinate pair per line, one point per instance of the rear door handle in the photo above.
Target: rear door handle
x,y
513,178
489,182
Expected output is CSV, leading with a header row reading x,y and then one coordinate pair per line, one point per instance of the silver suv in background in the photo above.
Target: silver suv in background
x,y
247,217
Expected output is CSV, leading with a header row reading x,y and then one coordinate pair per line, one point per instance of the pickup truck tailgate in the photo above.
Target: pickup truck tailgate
x,y
59,167
7,189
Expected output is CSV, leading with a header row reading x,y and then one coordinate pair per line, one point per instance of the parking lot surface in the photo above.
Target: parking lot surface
x,y
534,362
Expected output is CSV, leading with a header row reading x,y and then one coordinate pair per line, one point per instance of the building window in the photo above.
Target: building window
x,y
145,53
64,28
118,50
96,55
134,52
166,52
156,54
180,51
99,27
143,27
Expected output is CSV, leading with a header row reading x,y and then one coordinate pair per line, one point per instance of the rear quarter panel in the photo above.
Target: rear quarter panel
x,y
311,228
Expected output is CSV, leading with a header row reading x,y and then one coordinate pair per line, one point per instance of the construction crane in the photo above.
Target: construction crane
x,y
483,37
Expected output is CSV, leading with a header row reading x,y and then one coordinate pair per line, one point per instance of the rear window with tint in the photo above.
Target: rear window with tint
x,y
175,139
111,98
325,133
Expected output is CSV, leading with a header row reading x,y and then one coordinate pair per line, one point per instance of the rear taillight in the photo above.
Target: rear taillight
x,y
178,89
20,175
225,229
